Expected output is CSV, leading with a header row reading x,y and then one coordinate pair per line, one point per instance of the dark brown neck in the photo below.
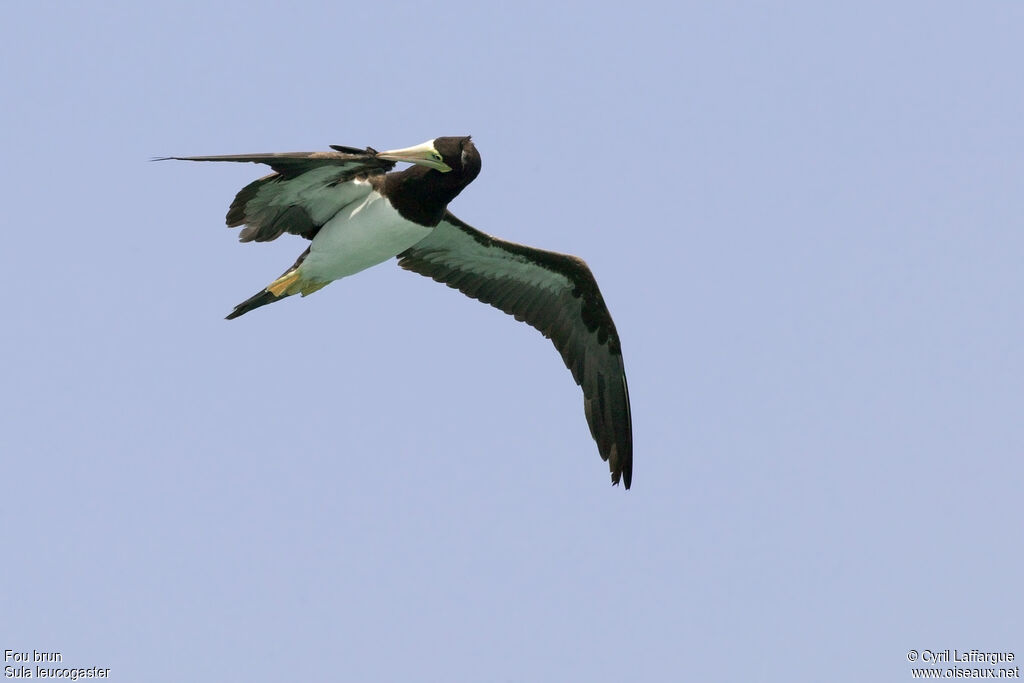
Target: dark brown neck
x,y
422,194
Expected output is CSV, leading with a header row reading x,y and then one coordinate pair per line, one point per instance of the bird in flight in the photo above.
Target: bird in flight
x,y
357,212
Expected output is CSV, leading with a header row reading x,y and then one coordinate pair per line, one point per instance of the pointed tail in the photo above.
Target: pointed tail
x,y
280,288
261,298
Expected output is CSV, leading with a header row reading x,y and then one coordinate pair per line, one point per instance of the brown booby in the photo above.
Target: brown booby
x,y
357,213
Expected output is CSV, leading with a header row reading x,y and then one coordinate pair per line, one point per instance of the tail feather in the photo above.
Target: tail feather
x,y
266,296
261,298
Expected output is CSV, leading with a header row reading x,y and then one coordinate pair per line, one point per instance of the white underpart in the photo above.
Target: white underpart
x,y
361,235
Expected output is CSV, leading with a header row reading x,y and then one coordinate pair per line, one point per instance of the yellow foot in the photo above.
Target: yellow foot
x,y
286,284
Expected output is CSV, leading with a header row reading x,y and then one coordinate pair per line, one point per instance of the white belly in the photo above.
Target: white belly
x,y
361,235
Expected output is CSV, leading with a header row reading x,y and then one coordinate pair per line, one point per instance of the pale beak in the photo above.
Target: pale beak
x,y
422,155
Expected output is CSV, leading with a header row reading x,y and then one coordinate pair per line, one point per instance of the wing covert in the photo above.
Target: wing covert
x,y
306,190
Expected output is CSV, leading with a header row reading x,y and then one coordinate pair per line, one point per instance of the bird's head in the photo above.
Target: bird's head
x,y
449,154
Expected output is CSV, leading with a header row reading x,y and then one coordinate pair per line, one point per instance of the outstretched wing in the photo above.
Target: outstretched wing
x,y
556,294
293,164
306,190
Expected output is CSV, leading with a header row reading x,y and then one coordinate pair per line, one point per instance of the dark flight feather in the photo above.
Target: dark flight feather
x,y
287,200
557,295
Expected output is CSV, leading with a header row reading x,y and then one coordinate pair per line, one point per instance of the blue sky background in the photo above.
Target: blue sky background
x,y
805,218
